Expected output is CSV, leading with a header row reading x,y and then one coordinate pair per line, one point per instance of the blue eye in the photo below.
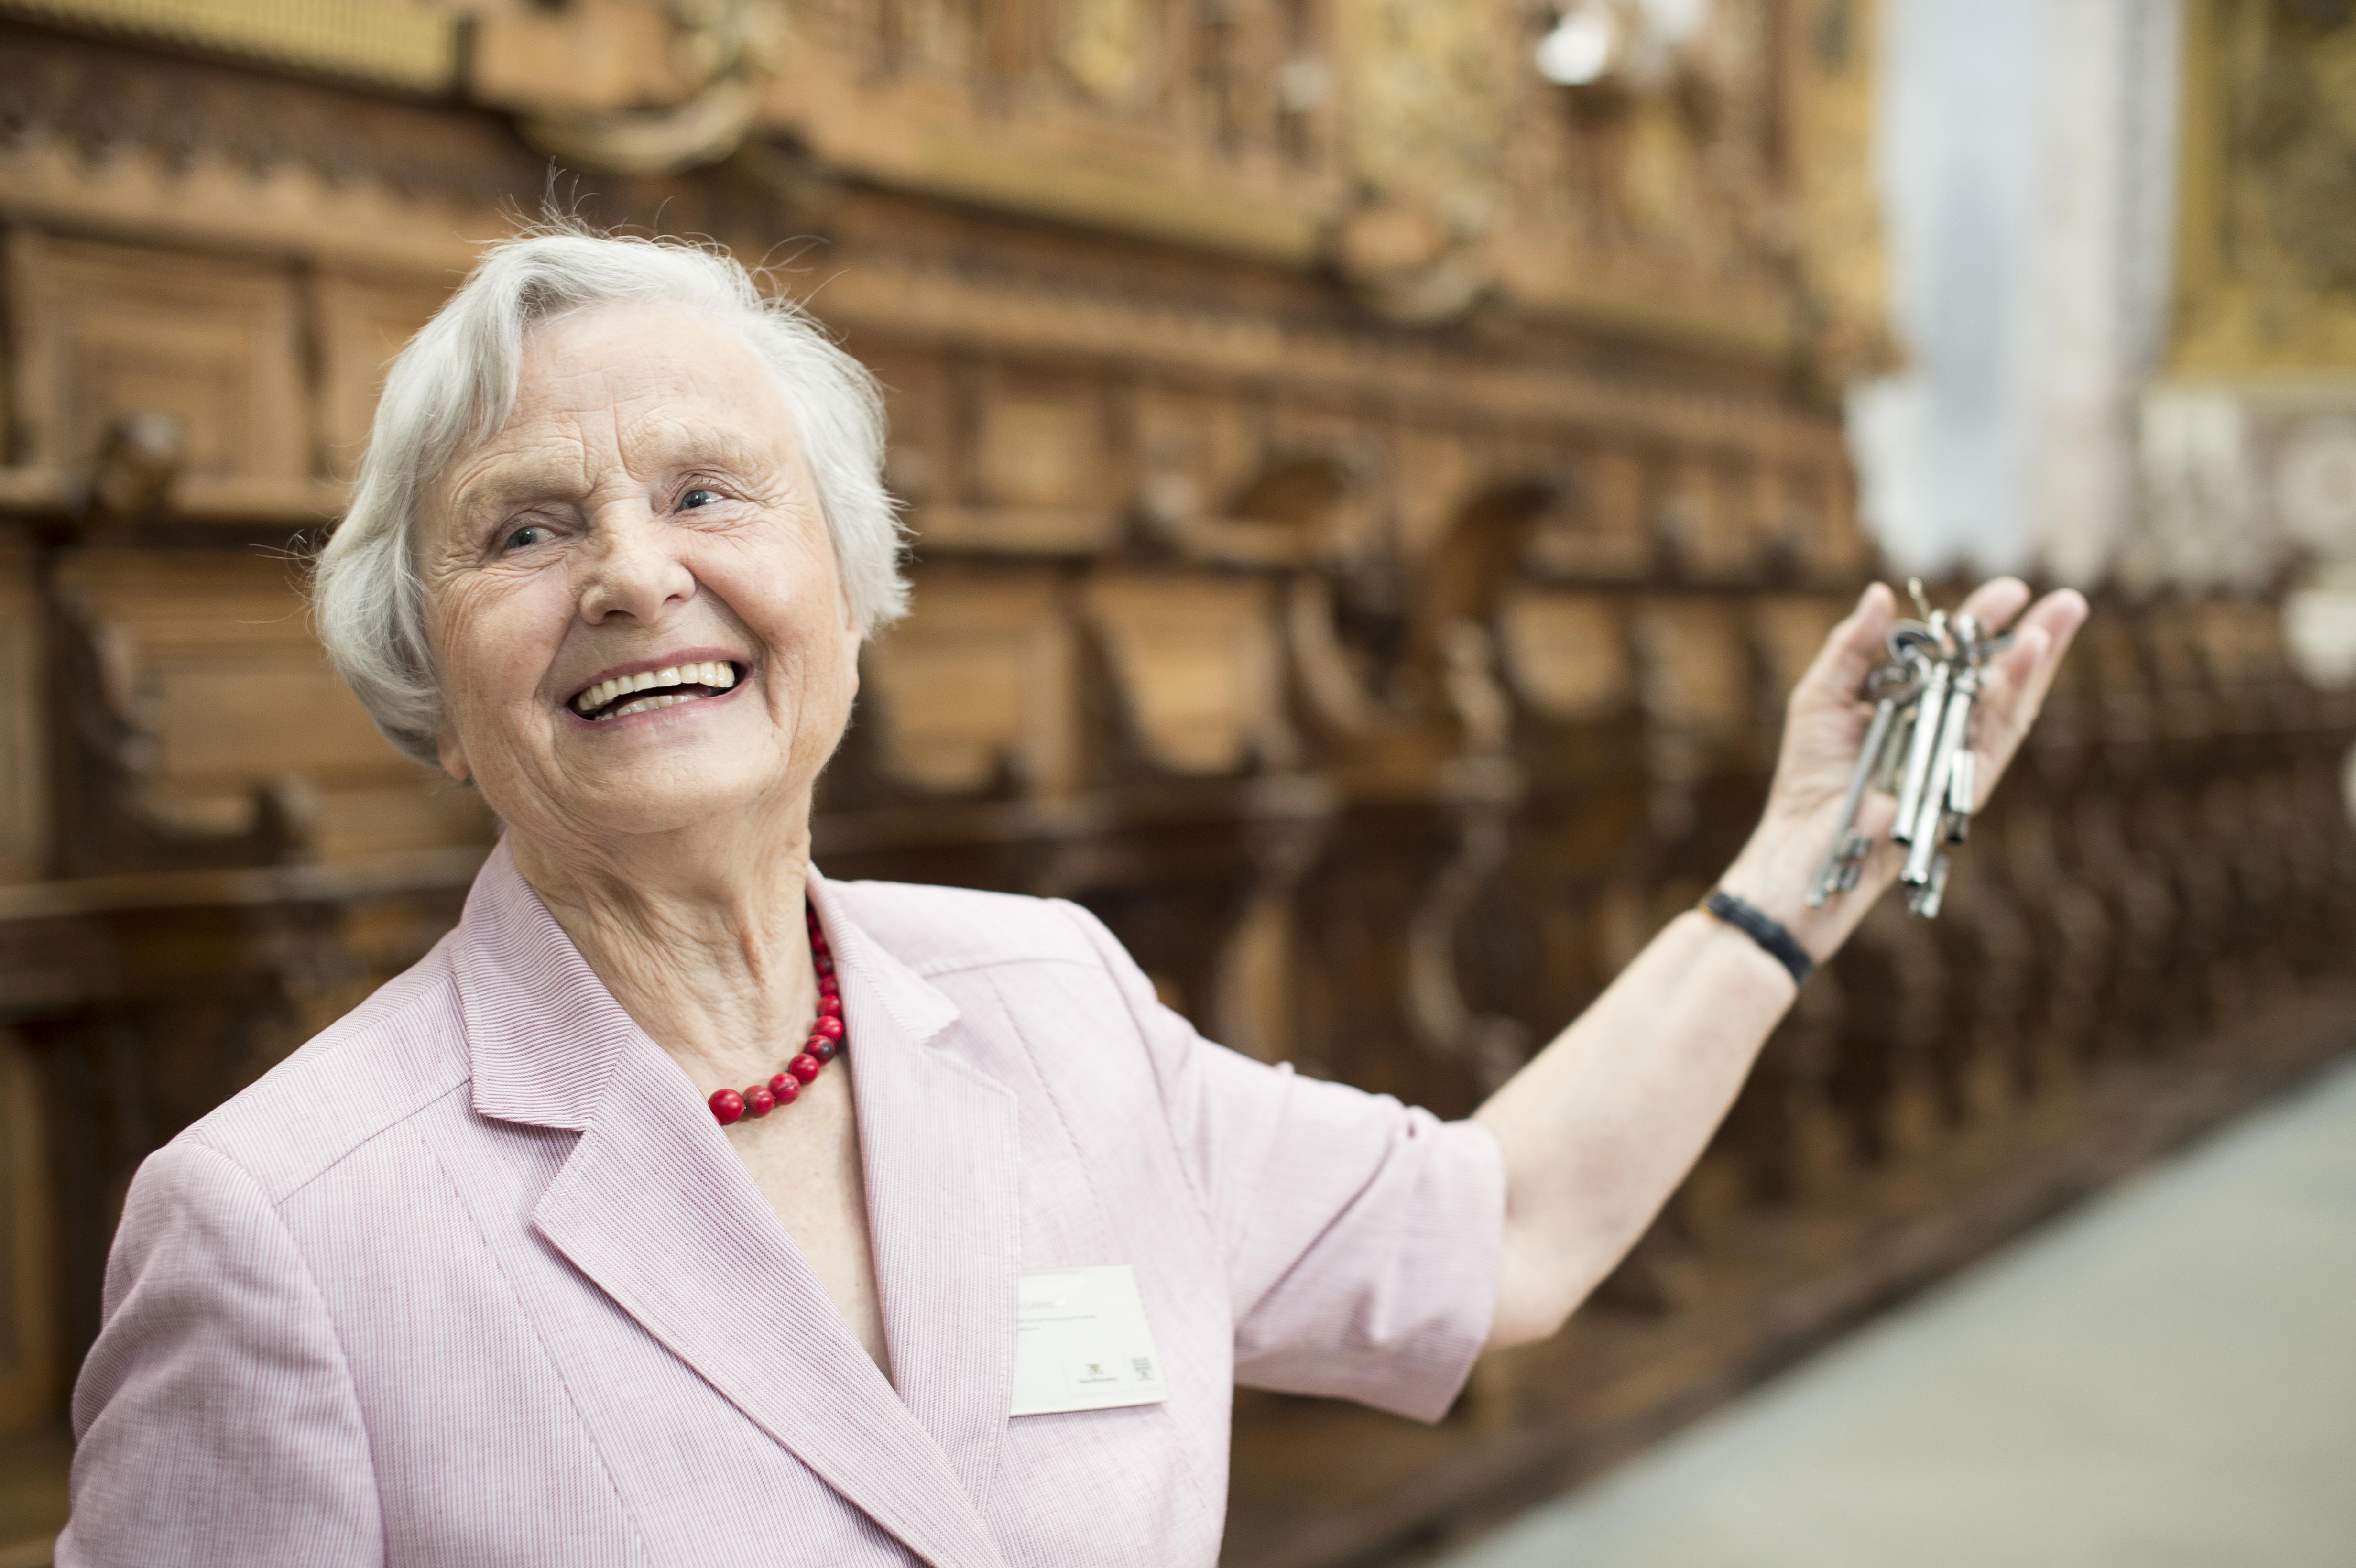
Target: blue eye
x,y
690,499
525,536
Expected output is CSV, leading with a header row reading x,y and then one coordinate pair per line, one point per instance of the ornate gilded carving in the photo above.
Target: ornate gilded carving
x,y
408,43
1110,47
2266,248
723,51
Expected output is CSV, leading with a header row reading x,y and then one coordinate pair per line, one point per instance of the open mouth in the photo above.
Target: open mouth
x,y
652,689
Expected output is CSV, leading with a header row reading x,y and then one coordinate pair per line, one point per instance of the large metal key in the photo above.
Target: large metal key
x,y
1892,688
1922,753
1922,902
1952,750
1849,847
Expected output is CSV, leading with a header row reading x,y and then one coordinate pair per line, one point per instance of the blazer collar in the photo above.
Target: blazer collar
x,y
937,1139
543,1031
655,1208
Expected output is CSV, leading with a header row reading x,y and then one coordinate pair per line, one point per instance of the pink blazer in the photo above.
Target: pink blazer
x,y
472,1279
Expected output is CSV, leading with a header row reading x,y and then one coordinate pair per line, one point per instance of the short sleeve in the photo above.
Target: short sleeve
x,y
215,1420
1362,1237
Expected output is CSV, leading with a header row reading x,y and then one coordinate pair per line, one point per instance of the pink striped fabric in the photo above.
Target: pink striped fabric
x,y
474,1279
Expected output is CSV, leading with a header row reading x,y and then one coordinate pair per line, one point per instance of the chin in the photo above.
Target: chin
x,y
664,802
650,795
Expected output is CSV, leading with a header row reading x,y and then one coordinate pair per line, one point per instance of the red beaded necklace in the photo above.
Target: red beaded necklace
x,y
827,1040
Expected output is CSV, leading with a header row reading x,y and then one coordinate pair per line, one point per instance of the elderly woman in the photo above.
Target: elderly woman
x,y
684,1206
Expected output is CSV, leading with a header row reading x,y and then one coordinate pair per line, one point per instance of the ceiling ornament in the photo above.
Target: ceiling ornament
x,y
1409,265
727,49
2298,133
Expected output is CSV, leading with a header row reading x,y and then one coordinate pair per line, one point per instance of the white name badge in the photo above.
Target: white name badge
x,y
1081,1342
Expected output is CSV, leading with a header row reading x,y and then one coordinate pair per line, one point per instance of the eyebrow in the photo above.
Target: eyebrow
x,y
715,446
498,488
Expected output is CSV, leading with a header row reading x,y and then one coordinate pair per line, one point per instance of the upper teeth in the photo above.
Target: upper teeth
x,y
719,675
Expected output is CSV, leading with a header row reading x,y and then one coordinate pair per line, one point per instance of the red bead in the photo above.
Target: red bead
x,y
827,1025
828,985
822,1048
804,1067
831,1006
727,1106
759,1102
785,1088
819,942
824,962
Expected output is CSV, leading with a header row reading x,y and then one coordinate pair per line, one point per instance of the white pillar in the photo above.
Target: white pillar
x,y
2027,162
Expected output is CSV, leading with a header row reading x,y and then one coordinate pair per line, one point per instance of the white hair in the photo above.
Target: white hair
x,y
453,385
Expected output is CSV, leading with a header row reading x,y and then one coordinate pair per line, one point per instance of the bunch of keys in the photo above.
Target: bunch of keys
x,y
1918,748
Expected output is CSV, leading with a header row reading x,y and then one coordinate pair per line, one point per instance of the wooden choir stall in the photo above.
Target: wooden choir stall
x,y
1368,502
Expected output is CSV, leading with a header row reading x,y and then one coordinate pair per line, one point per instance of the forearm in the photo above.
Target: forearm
x,y
1602,1124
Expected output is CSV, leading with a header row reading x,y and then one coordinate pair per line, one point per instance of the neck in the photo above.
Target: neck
x,y
698,932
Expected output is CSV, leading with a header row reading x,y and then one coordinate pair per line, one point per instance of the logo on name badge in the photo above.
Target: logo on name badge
x,y
1082,1342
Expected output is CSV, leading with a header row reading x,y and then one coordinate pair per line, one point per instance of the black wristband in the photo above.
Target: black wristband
x,y
1763,929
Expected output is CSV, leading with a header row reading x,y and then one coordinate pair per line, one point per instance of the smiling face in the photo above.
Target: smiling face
x,y
632,599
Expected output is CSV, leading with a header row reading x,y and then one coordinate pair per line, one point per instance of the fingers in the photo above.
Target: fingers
x,y
2018,663
2043,636
1854,647
1994,603
2023,675
2024,672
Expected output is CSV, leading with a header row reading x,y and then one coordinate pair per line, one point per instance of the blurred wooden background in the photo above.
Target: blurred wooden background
x,y
1370,501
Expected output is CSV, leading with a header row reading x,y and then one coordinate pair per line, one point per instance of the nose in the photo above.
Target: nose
x,y
635,570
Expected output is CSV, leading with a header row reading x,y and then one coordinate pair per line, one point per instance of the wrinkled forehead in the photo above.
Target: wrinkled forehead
x,y
628,392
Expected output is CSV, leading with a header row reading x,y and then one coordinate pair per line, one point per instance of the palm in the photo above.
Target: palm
x,y
1827,720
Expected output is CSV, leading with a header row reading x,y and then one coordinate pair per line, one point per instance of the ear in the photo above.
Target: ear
x,y
453,755
853,643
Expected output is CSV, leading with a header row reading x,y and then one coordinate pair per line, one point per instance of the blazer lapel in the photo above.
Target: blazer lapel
x,y
937,1142
653,1206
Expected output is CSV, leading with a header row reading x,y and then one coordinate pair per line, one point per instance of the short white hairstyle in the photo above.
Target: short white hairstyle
x,y
454,384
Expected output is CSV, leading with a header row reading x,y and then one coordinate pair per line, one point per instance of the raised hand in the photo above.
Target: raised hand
x,y
1601,1125
1825,725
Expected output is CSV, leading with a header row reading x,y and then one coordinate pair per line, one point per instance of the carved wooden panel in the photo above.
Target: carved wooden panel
x,y
207,664
975,686
1195,661
1197,452
1037,477
213,343
23,757
1707,515
1599,529
2241,643
363,321
1434,474
1041,446
28,1349
1696,675
1565,654
920,397
1812,502
1791,631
